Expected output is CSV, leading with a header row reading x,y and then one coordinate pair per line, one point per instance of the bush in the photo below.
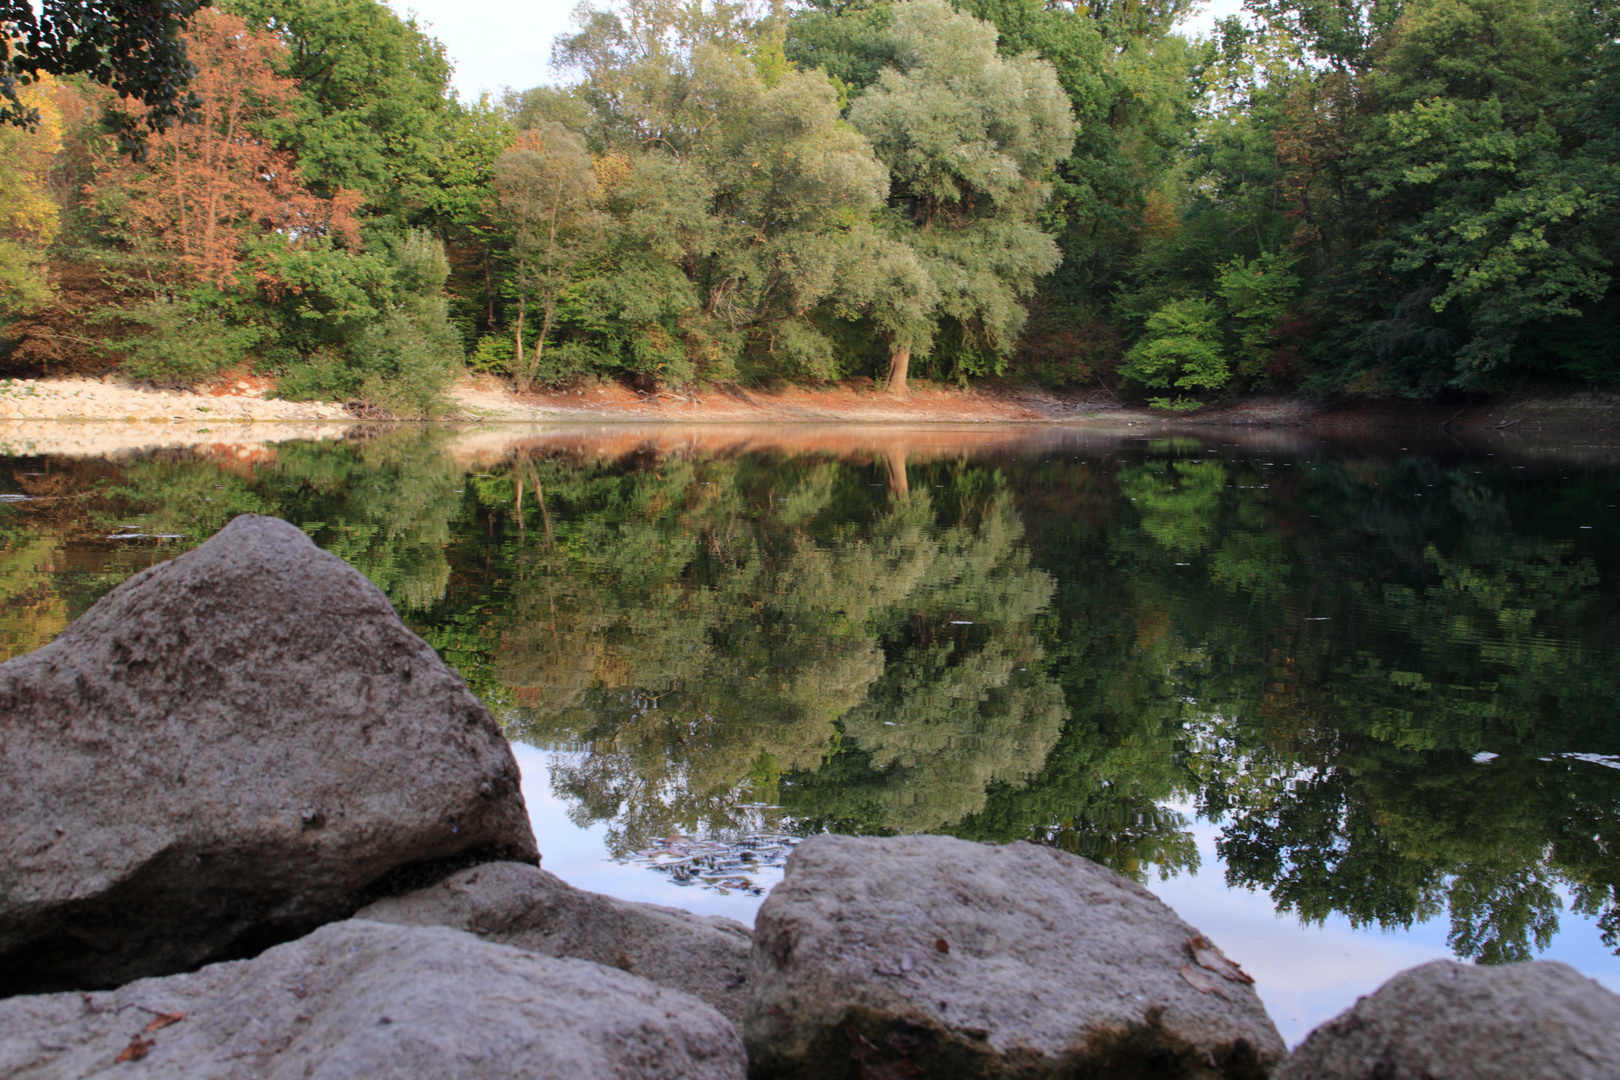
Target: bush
x,y
1183,349
182,345
324,375
493,356
408,360
401,356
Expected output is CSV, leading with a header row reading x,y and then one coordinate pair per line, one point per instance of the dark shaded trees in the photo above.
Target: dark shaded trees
x,y
134,47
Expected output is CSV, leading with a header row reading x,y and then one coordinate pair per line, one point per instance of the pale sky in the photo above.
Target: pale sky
x,y
1305,972
507,43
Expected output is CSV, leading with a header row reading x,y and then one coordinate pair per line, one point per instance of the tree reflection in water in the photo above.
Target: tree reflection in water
x,y
1391,679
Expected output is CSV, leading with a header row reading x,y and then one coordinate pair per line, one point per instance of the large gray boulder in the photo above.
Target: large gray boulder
x,y
926,956
524,906
1451,1021
226,751
360,1000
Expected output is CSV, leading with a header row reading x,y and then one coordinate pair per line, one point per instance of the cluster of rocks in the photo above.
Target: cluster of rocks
x,y
253,827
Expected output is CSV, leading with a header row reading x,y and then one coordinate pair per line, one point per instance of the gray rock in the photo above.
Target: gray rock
x,y
357,1000
524,906
226,751
928,956
1451,1021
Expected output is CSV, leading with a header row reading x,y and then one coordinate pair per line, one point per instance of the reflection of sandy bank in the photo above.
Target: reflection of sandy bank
x,y
114,438
482,445
489,443
485,445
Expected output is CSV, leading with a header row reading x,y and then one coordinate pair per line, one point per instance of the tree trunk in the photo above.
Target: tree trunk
x,y
520,369
896,461
899,361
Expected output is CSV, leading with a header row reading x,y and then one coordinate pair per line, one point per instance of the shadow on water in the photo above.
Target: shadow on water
x,y
1386,669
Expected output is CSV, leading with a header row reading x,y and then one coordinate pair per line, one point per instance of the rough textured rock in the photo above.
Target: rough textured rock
x,y
928,956
361,999
1451,1021
524,906
224,752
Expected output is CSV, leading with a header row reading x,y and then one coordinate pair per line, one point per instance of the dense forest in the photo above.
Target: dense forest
x,y
1403,197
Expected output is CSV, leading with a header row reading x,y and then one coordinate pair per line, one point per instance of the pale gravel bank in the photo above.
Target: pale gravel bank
x,y
113,399
110,438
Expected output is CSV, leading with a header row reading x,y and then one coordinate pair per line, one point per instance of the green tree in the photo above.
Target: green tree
x,y
379,329
1183,348
547,195
1257,295
1133,86
374,114
969,139
741,206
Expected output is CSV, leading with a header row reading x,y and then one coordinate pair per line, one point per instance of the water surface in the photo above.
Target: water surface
x,y
1346,706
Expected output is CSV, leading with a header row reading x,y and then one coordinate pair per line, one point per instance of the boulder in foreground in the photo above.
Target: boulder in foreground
x,y
361,999
1451,1021
524,906
224,752
927,956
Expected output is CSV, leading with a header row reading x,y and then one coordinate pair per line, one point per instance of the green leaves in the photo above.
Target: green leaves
x,y
1182,349
1258,294
969,139
132,46
182,342
1515,226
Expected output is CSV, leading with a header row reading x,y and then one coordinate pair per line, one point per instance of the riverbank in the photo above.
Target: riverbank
x,y
484,398
860,402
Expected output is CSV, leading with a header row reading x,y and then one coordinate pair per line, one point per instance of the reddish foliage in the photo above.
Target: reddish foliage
x,y
207,185
57,338
1291,335
1067,353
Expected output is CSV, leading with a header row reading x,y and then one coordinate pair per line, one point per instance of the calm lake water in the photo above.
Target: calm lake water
x,y
1345,706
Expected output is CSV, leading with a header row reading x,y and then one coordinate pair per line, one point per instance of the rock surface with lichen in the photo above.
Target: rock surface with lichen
x,y
226,751
932,956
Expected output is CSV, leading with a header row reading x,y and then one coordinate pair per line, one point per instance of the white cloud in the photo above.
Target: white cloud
x,y
494,43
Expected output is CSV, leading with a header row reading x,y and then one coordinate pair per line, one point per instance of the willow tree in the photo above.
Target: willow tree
x,y
743,206
969,138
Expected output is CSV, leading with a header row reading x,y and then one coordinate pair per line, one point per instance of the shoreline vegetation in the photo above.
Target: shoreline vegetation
x,y
1393,201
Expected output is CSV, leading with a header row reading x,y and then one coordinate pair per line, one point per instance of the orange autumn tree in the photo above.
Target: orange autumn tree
x,y
207,186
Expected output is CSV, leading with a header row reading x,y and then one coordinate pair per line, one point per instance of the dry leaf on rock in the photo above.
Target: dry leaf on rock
x,y
1208,956
163,1020
1202,981
137,1049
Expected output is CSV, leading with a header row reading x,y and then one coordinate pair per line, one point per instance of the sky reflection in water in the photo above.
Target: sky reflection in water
x,y
1373,686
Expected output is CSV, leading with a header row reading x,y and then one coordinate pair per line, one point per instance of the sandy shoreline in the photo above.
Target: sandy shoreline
x,y
78,416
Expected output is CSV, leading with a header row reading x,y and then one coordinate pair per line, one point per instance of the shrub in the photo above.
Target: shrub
x,y
408,360
181,345
401,355
1183,348
324,375
493,355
